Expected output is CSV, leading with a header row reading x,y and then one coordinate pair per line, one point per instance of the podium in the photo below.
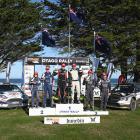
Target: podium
x,y
67,114
64,110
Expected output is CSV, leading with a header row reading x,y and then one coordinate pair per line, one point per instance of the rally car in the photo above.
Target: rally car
x,y
125,96
12,96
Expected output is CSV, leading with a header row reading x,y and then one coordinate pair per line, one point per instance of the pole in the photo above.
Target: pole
x,y
94,44
94,49
69,52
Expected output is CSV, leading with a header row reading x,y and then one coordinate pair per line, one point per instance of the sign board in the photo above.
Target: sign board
x,y
69,109
57,60
71,120
28,74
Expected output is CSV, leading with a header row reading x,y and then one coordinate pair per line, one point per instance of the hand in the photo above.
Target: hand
x,y
109,94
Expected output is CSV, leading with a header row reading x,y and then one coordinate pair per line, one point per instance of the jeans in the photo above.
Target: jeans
x,y
35,95
104,99
47,91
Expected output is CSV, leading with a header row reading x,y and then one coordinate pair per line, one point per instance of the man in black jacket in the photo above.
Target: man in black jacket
x,y
62,82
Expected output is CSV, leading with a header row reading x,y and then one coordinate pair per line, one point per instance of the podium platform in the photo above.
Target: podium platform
x,y
71,120
64,109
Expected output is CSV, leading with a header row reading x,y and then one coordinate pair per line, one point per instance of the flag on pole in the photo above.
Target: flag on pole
x,y
47,39
102,45
75,17
95,67
109,70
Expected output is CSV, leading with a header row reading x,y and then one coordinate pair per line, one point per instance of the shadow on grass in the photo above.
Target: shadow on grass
x,y
26,110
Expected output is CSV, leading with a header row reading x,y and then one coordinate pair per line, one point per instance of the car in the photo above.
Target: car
x,y
125,96
12,96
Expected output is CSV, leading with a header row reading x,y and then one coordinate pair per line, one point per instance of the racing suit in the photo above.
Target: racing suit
x,y
48,80
62,82
89,82
75,77
35,82
105,88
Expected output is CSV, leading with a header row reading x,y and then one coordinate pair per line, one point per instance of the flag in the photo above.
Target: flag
x,y
109,70
47,39
102,45
75,16
95,62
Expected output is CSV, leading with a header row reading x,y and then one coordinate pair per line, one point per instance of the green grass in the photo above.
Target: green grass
x,y
15,124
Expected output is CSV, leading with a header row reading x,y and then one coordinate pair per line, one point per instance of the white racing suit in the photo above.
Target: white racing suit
x,y
75,83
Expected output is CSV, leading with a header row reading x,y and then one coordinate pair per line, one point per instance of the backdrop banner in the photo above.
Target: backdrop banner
x,y
57,60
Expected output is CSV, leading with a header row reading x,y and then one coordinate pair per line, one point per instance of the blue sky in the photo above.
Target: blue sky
x,y
16,69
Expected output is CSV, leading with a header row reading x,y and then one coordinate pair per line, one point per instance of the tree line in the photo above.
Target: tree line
x,y
117,20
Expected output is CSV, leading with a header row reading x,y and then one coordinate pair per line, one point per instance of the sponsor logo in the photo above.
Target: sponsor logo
x,y
73,121
54,120
93,119
33,60
69,110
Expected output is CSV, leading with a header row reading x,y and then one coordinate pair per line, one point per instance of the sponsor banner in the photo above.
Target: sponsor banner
x,y
57,60
96,92
28,73
69,109
85,70
71,120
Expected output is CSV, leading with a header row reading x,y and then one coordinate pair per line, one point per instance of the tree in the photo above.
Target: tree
x,y
116,20
19,21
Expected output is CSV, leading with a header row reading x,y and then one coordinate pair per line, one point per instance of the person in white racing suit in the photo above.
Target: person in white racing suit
x,y
75,82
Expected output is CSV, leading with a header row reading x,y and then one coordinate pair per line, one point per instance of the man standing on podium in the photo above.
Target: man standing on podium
x,y
89,83
105,88
48,81
62,82
75,77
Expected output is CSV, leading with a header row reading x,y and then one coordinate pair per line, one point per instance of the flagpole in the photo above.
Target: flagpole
x,y
94,49
69,50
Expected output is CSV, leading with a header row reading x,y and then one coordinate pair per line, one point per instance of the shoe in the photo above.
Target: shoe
x,y
79,102
32,106
91,109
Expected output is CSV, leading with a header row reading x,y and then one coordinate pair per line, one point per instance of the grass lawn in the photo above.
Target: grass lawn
x,y
15,124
